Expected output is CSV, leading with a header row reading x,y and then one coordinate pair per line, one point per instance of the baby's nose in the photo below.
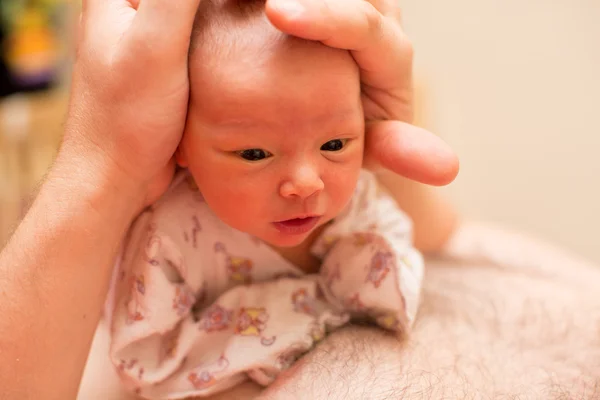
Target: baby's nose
x,y
305,182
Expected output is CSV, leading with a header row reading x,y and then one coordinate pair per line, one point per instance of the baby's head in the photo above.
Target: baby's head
x,y
275,129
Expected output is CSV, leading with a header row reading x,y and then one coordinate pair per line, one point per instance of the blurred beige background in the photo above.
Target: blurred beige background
x,y
514,86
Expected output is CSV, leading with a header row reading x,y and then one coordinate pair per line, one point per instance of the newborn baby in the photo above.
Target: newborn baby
x,y
275,236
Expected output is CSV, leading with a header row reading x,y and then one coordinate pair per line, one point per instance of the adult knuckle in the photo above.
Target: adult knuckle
x,y
402,43
374,19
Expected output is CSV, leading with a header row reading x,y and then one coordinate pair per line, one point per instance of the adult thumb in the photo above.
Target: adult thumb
x,y
412,152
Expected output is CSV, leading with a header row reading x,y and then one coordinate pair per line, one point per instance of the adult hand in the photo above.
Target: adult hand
x,y
127,112
371,30
130,89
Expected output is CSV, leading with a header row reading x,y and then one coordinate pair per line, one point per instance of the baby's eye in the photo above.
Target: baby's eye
x,y
254,154
334,145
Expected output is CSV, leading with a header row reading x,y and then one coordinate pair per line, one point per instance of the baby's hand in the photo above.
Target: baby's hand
x,y
130,90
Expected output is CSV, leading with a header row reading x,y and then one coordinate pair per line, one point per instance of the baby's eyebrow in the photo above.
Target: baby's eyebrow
x,y
234,125
340,115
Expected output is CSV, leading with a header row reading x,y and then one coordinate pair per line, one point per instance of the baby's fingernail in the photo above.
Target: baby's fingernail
x,y
291,8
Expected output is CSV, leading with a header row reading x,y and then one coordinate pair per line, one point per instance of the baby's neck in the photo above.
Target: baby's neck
x,y
301,256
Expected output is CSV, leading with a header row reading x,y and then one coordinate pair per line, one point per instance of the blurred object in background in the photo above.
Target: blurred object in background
x,y
31,127
6,85
31,52
33,62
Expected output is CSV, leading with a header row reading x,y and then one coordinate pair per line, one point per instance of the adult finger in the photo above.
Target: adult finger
x,y
389,8
103,23
98,10
165,25
90,6
375,37
412,152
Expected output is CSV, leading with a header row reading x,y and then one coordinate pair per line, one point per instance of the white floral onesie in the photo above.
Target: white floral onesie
x,y
197,307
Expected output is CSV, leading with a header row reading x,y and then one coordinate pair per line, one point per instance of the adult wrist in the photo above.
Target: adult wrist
x,y
89,180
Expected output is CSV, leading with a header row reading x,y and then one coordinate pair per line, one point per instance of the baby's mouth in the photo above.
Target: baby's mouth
x,y
297,226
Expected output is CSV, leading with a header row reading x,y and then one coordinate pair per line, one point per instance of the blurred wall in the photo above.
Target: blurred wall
x,y
514,87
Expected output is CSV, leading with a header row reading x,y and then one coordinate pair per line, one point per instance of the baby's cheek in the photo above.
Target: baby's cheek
x,y
234,202
340,185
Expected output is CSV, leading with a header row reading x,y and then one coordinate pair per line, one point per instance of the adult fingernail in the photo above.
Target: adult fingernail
x,y
291,8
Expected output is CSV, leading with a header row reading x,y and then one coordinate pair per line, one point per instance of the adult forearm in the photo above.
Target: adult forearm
x,y
54,275
354,363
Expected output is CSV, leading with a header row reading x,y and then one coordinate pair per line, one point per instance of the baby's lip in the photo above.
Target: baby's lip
x,y
297,226
300,217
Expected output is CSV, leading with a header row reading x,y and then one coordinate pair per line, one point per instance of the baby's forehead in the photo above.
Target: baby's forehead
x,y
261,71
276,97
239,29
251,117
242,67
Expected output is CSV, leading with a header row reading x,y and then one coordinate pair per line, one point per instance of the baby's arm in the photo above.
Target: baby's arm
x,y
373,269
434,218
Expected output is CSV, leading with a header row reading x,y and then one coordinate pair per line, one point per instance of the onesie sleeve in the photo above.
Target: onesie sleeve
x,y
151,306
371,268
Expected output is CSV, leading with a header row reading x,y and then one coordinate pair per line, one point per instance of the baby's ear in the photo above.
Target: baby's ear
x,y
180,157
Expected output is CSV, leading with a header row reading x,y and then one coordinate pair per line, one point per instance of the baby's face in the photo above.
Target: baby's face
x,y
275,138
